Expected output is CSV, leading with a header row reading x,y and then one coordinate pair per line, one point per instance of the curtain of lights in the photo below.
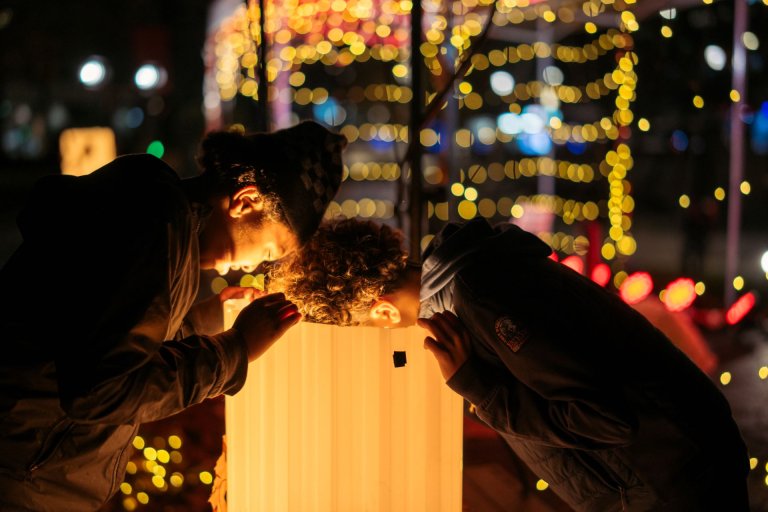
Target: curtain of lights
x,y
538,126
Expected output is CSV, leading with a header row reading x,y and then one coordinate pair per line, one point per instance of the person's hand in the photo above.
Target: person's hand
x,y
449,343
240,292
264,321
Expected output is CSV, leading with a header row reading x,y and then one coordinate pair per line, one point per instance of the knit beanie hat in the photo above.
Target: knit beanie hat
x,y
300,167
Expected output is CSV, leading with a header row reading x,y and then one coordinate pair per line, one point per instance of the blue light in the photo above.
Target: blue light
x,y
329,112
679,140
576,148
759,131
534,144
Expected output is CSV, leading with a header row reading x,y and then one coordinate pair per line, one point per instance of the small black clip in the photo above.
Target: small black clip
x,y
398,357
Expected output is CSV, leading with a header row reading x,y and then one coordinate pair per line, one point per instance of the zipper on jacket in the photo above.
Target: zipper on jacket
x,y
116,470
47,452
623,494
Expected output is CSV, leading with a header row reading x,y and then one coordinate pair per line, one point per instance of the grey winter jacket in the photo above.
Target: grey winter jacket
x,y
592,397
92,306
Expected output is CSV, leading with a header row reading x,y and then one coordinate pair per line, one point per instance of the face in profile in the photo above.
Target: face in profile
x,y
244,231
257,239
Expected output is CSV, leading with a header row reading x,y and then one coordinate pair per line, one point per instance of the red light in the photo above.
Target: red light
x,y
740,308
601,274
636,287
553,256
574,263
679,294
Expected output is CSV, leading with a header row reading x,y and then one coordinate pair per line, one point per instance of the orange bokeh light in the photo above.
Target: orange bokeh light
x,y
740,308
601,274
574,263
679,294
636,287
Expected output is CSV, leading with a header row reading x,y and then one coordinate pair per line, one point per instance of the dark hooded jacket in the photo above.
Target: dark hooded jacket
x,y
92,309
591,396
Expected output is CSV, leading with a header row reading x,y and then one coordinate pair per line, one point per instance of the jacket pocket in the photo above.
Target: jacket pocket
x,y
50,446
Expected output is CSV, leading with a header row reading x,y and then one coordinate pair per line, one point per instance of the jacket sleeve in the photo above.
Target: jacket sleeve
x,y
116,360
509,406
549,389
174,376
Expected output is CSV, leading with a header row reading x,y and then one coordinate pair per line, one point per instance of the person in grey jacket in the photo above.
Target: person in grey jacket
x,y
586,392
94,304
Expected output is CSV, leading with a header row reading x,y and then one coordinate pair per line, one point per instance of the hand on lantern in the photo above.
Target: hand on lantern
x,y
264,321
240,292
449,342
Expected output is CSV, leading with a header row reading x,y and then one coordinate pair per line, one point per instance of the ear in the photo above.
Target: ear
x,y
244,201
385,313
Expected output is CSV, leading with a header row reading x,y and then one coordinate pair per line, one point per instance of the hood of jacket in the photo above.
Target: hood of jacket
x,y
136,183
456,245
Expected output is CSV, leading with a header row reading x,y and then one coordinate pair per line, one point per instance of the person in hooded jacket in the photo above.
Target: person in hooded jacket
x,y
95,305
594,399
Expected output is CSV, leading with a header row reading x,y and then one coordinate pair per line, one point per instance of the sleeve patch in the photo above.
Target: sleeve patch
x,y
510,334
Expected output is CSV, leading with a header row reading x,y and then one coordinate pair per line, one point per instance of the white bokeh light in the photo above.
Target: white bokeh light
x,y
532,122
764,262
149,76
502,83
668,14
92,72
750,40
510,123
715,57
553,75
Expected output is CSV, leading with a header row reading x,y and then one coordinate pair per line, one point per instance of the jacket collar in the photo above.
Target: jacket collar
x,y
457,246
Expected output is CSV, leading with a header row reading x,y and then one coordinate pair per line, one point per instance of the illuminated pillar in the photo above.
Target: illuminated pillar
x,y
326,423
736,160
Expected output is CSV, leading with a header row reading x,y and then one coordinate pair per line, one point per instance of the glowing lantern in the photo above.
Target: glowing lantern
x,y
83,150
601,274
574,263
326,423
636,287
679,294
740,308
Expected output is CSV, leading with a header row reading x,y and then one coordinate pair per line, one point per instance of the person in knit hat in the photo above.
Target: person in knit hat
x,y
119,343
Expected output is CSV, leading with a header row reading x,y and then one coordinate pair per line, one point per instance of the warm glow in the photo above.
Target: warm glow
x,y
574,263
326,422
83,150
601,274
720,193
636,287
740,308
680,294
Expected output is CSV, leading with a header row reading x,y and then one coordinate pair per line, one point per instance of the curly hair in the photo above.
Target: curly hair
x,y
230,160
346,266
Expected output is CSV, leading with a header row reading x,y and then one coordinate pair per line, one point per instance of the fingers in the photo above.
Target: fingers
x,y
287,310
240,292
288,319
272,299
435,347
440,329
458,328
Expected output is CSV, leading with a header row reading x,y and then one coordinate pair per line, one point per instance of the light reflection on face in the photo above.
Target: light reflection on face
x,y
254,241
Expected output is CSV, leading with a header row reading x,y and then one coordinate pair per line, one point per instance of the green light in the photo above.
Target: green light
x,y
156,148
